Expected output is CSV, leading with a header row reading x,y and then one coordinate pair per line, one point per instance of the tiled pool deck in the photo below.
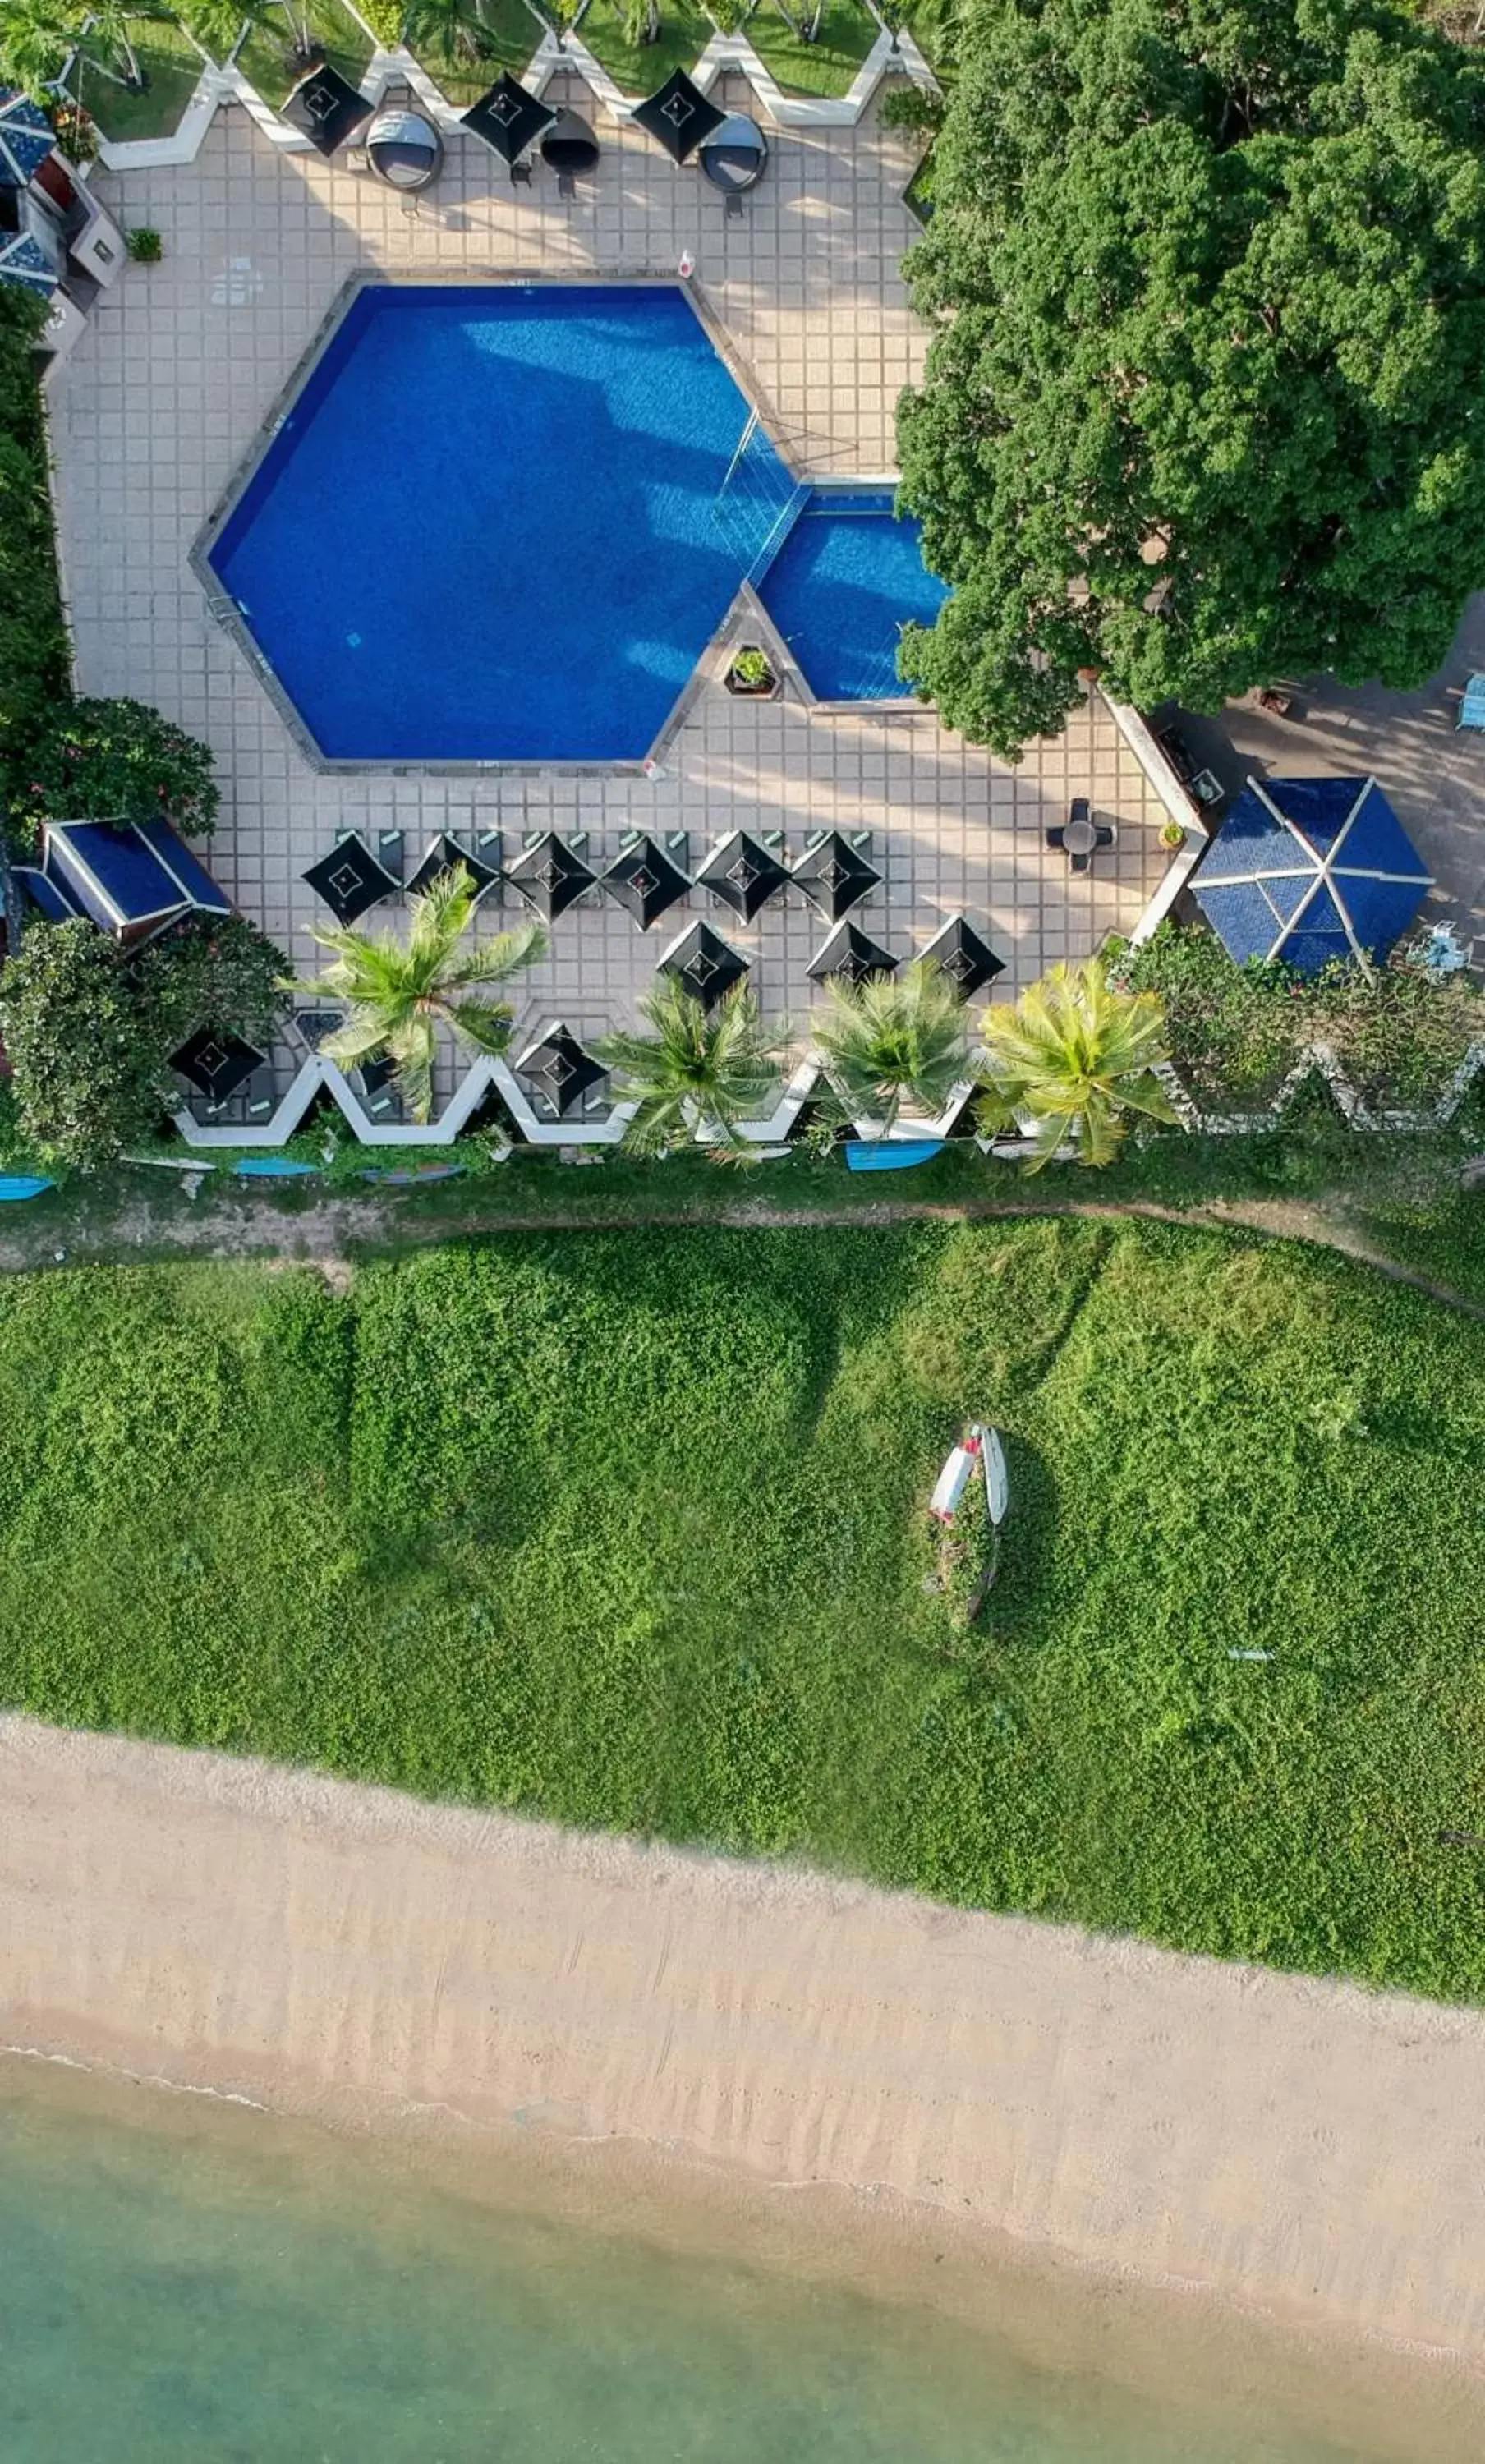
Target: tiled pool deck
x,y
180,366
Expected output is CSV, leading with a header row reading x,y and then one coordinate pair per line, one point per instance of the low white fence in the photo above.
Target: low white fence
x,y
889,55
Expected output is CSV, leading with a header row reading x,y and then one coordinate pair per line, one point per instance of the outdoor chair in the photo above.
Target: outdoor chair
x,y
521,175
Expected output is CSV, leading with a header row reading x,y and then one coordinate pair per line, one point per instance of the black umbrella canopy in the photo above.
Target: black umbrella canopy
x,y
325,107
645,882
446,855
707,965
350,879
679,116
835,877
570,145
550,875
509,117
742,873
217,1065
853,955
560,1070
969,963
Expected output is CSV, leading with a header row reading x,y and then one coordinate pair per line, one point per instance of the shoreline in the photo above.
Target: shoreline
x,y
1109,2154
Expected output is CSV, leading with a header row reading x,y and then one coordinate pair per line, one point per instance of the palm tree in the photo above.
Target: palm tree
x,y
696,1069
38,38
1075,1054
447,28
399,997
641,22
894,1038
218,26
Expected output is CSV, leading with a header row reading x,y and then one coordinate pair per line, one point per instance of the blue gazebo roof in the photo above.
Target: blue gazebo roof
x,y
26,139
1309,871
129,876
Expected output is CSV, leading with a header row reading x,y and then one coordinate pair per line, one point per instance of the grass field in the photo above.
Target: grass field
x,y
627,1530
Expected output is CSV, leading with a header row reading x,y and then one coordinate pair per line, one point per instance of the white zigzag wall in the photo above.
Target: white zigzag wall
x,y
398,67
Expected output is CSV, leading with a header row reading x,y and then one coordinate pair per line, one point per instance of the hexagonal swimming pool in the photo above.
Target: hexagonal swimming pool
x,y
500,523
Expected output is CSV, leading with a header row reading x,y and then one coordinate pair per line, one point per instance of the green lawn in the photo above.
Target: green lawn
x,y
626,1530
509,36
1442,1237
642,68
826,66
268,61
172,67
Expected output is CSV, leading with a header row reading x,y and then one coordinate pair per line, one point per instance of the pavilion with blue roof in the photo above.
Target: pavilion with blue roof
x,y
26,140
1311,871
132,878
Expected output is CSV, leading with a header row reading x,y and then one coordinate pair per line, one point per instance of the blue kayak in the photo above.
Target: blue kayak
x,y
884,1154
271,1168
23,1184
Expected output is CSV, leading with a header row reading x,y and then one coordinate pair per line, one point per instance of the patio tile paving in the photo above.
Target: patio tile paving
x,y
180,364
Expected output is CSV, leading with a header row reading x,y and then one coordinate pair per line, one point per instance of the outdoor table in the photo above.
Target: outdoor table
x,y
1080,837
735,156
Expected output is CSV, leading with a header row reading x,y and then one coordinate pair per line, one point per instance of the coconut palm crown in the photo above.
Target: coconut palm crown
x,y
400,995
695,1068
893,1040
37,38
1076,1055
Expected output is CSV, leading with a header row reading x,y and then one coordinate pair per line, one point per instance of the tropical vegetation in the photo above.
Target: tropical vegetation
x,y
1399,1032
628,1529
114,761
690,1072
88,1029
1069,1060
400,994
39,37
892,1040
33,663
1208,297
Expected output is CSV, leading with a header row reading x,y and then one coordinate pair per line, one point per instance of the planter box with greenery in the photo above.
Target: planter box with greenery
x,y
283,42
808,49
463,49
750,675
137,84
638,63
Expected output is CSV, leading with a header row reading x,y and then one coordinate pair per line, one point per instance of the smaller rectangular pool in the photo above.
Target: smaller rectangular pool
x,y
849,575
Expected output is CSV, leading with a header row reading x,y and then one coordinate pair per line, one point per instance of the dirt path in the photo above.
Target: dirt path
x,y
331,1232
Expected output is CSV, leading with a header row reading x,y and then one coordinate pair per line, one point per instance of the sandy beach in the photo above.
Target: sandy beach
x,y
1301,2150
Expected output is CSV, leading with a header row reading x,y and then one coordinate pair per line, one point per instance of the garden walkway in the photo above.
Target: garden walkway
x,y
330,1233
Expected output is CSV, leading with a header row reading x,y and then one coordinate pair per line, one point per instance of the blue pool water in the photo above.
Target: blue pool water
x,y
502,522
846,580
489,529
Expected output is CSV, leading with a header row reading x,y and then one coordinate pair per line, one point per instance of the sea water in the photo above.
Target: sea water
x,y
214,2294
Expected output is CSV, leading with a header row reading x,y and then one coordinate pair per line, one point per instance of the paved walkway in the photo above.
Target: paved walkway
x,y
180,364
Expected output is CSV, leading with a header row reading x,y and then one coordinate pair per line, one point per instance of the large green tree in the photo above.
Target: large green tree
x,y
89,1027
1203,406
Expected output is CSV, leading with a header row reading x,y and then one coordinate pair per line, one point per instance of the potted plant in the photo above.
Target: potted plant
x,y
146,246
751,675
1172,835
